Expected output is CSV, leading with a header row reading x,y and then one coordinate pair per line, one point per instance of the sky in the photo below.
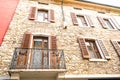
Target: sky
x,y
115,3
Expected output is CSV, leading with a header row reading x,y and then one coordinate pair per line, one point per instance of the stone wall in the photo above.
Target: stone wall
x,y
66,38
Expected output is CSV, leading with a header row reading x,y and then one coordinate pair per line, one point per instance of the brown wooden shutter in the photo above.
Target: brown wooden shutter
x,y
33,13
103,49
53,55
23,53
74,19
51,16
90,21
115,23
102,22
116,46
83,48
53,42
27,39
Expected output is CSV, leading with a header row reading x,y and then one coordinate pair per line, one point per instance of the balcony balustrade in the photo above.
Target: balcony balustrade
x,y
34,58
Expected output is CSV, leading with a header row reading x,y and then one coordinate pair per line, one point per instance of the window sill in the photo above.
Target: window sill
x,y
100,60
42,21
113,29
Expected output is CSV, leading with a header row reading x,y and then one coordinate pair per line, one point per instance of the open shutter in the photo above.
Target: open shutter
x,y
102,22
53,42
27,38
90,21
103,49
51,16
83,48
74,19
115,23
116,46
54,60
33,13
23,53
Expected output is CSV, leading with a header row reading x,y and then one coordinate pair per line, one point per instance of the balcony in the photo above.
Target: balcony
x,y
40,62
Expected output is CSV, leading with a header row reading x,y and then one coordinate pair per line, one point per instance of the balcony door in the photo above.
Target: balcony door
x,y
40,54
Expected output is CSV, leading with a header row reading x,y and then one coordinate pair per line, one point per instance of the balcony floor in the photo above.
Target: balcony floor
x,y
43,74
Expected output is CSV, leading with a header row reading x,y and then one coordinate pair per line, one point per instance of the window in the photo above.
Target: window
x,y
108,23
81,20
116,45
41,51
93,49
41,15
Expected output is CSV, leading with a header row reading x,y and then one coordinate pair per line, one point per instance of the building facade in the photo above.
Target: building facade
x,y
62,40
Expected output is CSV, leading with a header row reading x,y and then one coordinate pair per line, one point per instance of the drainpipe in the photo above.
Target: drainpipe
x,y
63,16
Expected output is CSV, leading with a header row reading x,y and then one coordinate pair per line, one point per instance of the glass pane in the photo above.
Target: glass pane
x,y
90,50
37,43
37,59
40,16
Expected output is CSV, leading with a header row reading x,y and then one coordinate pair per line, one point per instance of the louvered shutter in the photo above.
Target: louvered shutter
x,y
115,23
102,22
27,38
54,60
51,16
90,21
53,42
103,49
33,13
83,48
116,46
23,53
74,19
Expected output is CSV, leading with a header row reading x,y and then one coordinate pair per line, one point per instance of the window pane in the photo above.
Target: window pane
x,y
40,16
37,43
90,50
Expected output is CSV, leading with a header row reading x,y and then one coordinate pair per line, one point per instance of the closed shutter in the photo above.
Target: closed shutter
x,y
51,16
33,13
116,46
90,21
115,23
23,53
74,19
102,22
54,60
103,49
83,48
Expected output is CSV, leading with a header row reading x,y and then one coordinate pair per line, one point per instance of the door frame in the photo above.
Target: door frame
x,y
31,45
